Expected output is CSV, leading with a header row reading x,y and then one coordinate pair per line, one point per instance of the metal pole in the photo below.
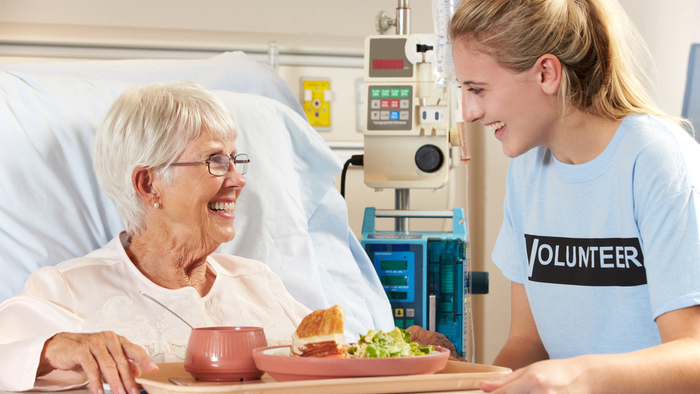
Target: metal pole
x,y
403,27
403,18
401,202
274,56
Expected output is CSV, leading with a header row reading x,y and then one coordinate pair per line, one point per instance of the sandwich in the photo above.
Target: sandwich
x,y
321,334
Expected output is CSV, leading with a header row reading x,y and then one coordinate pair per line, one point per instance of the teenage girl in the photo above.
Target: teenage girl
x,y
601,234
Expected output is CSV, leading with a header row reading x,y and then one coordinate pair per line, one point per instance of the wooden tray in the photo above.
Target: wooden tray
x,y
456,376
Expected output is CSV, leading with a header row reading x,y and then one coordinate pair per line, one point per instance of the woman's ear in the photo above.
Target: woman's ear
x,y
142,179
548,68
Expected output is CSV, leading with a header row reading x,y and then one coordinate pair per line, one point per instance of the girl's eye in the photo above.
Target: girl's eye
x,y
476,91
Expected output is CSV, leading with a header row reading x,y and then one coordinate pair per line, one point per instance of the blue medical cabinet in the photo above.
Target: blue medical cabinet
x,y
425,274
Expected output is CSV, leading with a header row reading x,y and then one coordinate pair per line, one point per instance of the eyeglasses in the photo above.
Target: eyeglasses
x,y
219,164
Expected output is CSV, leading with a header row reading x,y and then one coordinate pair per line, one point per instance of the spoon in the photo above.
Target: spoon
x,y
177,381
166,308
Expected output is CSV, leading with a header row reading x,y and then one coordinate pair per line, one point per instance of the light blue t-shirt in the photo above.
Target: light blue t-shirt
x,y
605,247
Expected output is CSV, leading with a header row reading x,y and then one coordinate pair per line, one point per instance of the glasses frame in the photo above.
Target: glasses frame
x,y
238,158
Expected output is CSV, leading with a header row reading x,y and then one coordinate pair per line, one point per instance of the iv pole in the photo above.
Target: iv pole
x,y
403,27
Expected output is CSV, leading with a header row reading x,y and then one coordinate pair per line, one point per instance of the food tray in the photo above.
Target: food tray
x,y
456,376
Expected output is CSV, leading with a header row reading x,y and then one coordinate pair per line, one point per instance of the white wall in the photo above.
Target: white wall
x,y
301,25
330,33
668,27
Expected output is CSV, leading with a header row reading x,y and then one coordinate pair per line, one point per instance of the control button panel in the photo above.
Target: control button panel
x,y
390,107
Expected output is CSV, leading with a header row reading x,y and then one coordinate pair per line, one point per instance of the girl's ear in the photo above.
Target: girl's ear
x,y
548,68
142,179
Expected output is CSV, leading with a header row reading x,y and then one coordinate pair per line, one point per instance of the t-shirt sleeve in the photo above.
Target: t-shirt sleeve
x,y
667,208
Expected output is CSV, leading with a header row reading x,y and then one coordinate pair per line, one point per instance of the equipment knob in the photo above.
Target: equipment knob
x,y
429,158
479,281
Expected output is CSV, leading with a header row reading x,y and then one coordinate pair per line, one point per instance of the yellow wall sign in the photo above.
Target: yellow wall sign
x,y
316,100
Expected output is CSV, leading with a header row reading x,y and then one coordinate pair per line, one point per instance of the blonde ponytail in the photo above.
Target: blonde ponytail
x,y
604,60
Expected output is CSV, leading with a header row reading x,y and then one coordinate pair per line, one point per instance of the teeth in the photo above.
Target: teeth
x,y
494,126
222,206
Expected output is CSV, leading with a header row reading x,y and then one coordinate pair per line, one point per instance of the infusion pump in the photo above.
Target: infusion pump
x,y
410,125
407,120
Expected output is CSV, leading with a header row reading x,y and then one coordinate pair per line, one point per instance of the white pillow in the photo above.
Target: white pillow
x,y
51,207
291,217
234,71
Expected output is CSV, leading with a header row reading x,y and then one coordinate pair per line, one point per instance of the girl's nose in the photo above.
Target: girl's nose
x,y
471,111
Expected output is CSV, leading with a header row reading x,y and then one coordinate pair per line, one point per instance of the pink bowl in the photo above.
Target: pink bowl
x,y
224,353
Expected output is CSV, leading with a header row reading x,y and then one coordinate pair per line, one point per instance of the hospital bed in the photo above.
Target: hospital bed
x,y
290,215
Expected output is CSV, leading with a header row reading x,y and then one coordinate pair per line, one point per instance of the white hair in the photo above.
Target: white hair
x,y
150,126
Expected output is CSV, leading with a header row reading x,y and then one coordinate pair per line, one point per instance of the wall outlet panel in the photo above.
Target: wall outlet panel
x,y
316,97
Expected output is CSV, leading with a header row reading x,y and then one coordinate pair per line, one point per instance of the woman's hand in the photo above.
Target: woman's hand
x,y
550,376
424,337
99,355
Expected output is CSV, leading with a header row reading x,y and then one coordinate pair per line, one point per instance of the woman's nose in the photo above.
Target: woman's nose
x,y
471,111
234,176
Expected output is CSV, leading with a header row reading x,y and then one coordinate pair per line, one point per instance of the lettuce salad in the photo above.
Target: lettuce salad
x,y
396,343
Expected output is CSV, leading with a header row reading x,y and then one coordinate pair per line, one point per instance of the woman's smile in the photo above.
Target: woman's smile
x,y
497,128
204,212
499,97
222,209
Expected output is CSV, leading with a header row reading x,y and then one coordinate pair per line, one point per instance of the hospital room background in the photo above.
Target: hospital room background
x,y
324,41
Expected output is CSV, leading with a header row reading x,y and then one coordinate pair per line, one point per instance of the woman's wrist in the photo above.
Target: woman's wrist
x,y
44,367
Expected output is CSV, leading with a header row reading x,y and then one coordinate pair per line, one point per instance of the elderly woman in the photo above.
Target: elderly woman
x,y
166,156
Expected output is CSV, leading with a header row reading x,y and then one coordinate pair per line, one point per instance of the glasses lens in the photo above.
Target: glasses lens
x,y
241,162
218,165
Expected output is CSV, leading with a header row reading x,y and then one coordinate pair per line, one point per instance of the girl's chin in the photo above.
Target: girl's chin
x,y
507,149
512,152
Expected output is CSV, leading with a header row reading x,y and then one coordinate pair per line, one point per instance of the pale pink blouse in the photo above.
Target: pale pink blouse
x,y
100,292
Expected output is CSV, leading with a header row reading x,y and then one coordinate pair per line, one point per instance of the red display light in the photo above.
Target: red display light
x,y
387,64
